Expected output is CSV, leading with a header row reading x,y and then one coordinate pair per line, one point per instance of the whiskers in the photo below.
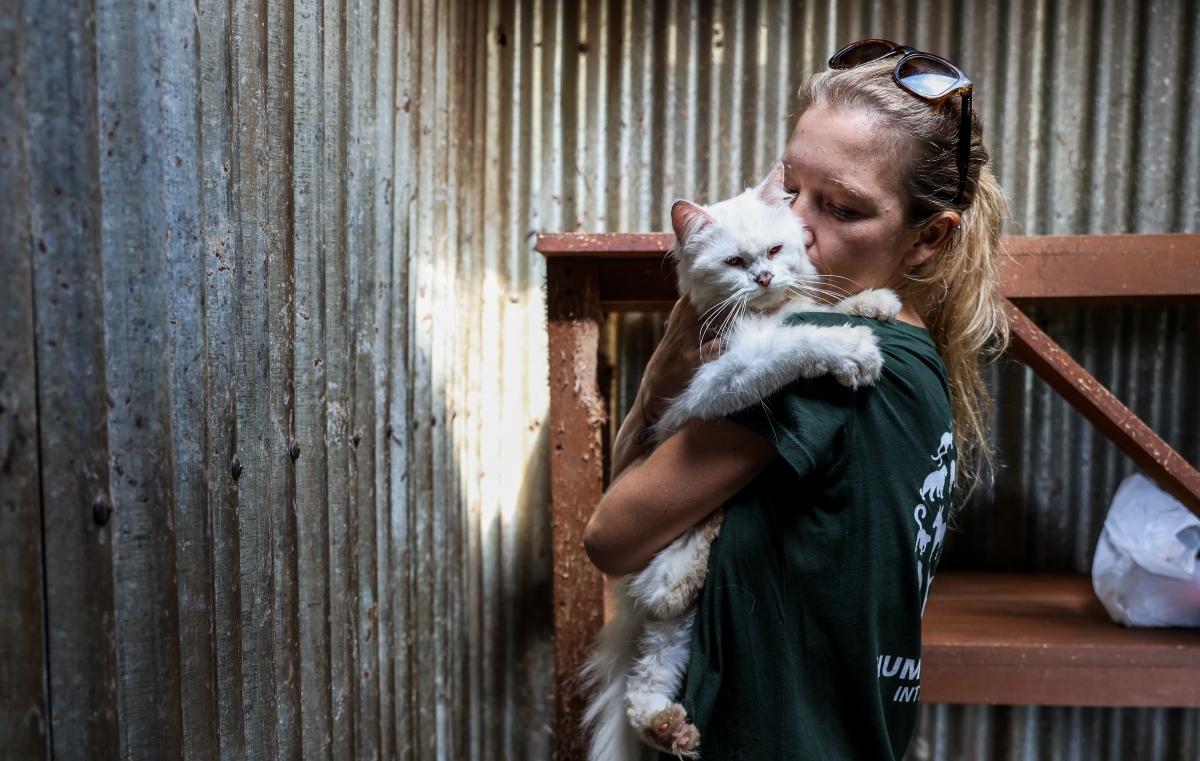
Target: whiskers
x,y
731,319
826,278
728,310
824,291
719,319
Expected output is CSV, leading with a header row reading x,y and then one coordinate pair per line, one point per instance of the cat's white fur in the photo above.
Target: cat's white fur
x,y
640,657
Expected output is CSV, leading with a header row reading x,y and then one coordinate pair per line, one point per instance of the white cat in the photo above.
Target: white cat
x,y
742,261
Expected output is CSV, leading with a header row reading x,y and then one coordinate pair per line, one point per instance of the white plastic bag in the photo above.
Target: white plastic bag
x,y
1147,565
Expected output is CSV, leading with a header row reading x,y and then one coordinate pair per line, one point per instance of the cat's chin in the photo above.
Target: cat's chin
x,y
768,304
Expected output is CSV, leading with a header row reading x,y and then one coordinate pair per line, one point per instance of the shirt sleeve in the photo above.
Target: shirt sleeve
x,y
805,420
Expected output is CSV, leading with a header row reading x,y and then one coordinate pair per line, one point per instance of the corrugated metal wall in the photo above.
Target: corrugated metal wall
x,y
272,373
272,378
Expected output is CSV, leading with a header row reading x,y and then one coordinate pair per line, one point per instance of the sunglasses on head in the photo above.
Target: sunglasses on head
x,y
925,75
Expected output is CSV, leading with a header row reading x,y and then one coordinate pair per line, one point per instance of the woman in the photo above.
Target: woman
x,y
807,636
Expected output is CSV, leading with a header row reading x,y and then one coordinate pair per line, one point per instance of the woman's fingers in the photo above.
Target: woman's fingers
x,y
683,322
677,354
711,349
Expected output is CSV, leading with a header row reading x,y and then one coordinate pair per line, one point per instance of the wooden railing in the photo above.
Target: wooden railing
x,y
987,638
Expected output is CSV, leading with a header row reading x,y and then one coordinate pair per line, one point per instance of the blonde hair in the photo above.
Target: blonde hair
x,y
957,291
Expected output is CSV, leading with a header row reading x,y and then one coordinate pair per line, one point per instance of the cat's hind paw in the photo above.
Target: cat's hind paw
x,y
875,303
672,581
670,731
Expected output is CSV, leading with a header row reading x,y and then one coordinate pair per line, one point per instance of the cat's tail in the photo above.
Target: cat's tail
x,y
610,735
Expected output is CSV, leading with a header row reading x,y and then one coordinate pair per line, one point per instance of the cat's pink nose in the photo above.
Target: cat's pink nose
x,y
763,279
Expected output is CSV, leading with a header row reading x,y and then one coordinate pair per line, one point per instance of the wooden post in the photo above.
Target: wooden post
x,y
577,415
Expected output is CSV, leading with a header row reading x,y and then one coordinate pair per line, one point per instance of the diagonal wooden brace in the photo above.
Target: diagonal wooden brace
x,y
1112,418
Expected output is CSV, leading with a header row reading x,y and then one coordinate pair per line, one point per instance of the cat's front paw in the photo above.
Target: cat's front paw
x,y
875,303
670,731
862,365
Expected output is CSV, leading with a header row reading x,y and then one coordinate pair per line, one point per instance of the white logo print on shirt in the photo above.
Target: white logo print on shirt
x,y
900,675
936,493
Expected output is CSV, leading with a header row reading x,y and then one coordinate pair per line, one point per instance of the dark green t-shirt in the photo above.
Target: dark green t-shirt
x,y
807,640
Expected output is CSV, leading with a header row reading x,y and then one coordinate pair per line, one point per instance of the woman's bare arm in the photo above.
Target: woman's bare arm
x,y
663,494
635,437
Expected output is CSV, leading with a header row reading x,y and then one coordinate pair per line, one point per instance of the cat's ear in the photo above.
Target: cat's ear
x,y
772,189
688,219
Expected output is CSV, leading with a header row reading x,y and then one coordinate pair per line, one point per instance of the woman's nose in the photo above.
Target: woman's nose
x,y
763,279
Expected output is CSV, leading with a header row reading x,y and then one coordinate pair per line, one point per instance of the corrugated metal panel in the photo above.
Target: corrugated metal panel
x,y
23,699
285,330
288,322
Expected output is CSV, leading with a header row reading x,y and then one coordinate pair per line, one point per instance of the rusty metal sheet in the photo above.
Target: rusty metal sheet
x,y
218,272
308,447
24,707
136,281
180,163
64,228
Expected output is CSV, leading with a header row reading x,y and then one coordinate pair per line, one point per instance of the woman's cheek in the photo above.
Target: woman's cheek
x,y
814,255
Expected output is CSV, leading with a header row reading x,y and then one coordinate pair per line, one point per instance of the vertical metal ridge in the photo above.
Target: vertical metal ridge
x,y
25,727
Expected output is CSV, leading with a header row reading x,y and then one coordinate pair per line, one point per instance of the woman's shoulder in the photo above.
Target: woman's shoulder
x,y
894,334
912,366
897,330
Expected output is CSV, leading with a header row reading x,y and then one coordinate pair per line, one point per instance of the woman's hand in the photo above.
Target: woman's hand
x,y
672,365
676,357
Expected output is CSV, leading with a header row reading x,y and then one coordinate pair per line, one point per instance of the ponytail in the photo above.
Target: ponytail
x,y
957,293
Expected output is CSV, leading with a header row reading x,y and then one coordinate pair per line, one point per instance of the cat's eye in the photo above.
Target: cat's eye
x,y
774,249
735,261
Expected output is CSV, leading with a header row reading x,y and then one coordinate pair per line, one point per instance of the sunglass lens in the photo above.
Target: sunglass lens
x,y
926,76
861,52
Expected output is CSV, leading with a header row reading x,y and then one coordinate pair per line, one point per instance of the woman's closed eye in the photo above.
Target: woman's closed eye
x,y
843,213
839,212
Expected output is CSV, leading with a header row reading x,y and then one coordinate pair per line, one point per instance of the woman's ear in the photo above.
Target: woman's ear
x,y
932,238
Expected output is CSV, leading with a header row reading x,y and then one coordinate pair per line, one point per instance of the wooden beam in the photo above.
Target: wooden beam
x,y
607,245
1112,418
636,272
1102,266
1044,639
577,415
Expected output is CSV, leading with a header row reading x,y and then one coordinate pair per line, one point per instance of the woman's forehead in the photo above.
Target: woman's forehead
x,y
848,148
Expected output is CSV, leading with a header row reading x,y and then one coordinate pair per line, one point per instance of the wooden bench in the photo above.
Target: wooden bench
x,y
1023,638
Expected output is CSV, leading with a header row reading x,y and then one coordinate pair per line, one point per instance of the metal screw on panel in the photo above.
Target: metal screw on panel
x,y
101,510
